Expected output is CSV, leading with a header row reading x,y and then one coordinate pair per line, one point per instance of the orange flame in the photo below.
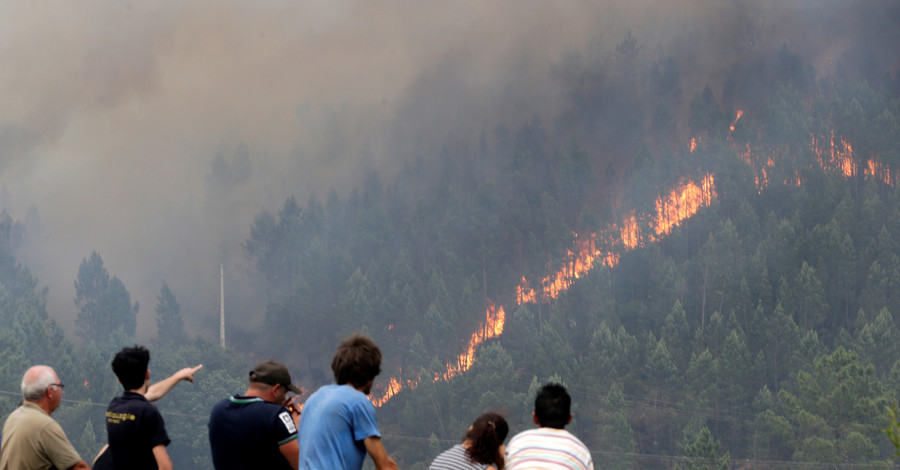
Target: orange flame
x,y
736,119
392,388
492,327
681,203
524,293
833,153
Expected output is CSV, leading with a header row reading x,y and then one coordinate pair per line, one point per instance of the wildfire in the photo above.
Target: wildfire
x,y
736,119
492,327
682,203
833,153
577,263
392,388
679,204
630,234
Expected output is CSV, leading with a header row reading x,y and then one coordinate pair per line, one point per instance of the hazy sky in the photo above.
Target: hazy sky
x,y
113,111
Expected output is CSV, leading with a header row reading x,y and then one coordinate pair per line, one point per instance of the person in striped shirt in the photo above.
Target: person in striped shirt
x,y
550,446
481,449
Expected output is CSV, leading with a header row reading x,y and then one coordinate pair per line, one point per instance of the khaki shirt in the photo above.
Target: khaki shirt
x,y
32,440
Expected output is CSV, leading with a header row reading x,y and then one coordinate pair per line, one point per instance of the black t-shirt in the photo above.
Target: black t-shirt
x,y
134,427
246,433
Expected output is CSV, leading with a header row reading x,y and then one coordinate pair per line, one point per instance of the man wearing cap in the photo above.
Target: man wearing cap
x,y
255,430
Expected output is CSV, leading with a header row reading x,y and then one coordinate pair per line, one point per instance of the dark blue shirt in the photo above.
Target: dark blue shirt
x,y
246,433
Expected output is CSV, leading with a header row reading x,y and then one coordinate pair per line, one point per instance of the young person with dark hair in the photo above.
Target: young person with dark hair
x,y
135,428
103,461
481,449
339,426
550,446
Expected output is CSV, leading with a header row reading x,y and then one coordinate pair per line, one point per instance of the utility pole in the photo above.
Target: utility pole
x,y
222,306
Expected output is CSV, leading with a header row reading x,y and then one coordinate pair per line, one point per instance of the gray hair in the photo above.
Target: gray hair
x,y
36,381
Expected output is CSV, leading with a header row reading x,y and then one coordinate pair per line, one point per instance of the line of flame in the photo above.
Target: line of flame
x,y
681,203
836,154
492,327
736,119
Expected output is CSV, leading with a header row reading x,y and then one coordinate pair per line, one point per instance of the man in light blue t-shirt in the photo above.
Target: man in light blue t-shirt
x,y
338,426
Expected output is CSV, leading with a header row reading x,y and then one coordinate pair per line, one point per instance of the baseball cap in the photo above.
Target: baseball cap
x,y
273,372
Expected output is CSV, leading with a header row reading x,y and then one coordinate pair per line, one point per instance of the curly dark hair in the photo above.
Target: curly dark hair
x,y
486,435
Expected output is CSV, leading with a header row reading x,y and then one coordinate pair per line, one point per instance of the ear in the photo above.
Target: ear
x,y
534,418
569,420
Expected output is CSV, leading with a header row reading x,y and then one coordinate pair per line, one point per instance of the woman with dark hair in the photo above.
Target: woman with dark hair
x,y
481,448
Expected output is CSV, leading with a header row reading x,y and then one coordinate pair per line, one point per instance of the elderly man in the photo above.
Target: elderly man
x,y
31,438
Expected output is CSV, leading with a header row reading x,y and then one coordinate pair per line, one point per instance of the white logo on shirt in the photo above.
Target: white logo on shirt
x,y
288,422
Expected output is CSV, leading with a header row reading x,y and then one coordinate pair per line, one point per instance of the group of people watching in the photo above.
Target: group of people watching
x,y
262,428
549,447
135,428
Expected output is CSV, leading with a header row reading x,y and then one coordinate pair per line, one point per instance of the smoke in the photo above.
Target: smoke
x,y
153,132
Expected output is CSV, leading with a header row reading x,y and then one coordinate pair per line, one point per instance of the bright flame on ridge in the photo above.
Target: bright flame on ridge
x,y
681,203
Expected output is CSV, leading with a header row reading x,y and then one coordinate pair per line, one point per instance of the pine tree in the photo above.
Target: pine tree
x,y
104,305
169,324
704,452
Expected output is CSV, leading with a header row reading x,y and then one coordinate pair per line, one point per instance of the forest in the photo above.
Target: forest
x,y
756,330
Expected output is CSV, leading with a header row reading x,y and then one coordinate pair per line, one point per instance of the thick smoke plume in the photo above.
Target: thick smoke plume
x,y
153,132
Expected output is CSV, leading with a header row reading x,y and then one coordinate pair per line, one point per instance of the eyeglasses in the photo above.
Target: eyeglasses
x,y
61,386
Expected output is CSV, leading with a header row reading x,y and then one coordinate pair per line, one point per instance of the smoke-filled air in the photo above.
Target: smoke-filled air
x,y
499,193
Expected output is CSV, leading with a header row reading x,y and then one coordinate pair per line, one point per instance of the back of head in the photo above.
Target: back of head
x,y
130,366
356,361
35,382
486,435
552,406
